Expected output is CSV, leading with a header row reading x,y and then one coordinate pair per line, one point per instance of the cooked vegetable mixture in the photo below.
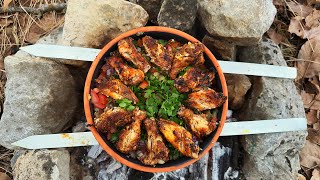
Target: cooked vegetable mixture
x,y
154,99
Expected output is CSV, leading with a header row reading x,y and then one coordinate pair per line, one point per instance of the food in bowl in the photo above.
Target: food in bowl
x,y
155,99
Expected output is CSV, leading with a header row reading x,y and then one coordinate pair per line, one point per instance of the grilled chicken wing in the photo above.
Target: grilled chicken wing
x,y
193,80
187,55
205,99
157,53
130,53
157,152
111,119
199,124
127,74
117,90
130,135
179,137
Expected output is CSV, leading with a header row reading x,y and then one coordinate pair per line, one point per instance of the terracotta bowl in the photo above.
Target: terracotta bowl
x,y
156,32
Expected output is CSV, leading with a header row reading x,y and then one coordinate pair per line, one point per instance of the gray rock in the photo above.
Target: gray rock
x,y
238,86
151,6
55,38
42,165
243,22
92,23
40,98
220,48
178,14
276,155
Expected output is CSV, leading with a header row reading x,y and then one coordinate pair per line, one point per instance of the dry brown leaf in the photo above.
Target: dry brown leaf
x,y
312,117
315,174
4,176
313,19
274,36
307,97
295,27
310,56
6,4
310,155
278,2
299,9
301,177
313,136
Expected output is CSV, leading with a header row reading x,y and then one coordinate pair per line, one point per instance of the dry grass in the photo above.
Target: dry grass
x,y
16,30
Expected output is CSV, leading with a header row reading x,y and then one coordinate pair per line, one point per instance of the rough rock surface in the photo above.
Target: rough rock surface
x,y
241,21
92,23
276,155
43,165
151,6
178,14
220,48
238,86
40,98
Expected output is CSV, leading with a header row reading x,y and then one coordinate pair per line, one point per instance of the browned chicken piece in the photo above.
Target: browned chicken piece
x,y
157,152
105,73
130,135
187,55
157,53
130,53
127,74
111,119
117,90
200,60
206,99
179,137
172,47
198,123
193,80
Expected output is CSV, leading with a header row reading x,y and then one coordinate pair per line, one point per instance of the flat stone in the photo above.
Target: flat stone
x,y
151,6
42,165
178,14
40,98
55,38
276,155
238,86
241,21
220,48
92,23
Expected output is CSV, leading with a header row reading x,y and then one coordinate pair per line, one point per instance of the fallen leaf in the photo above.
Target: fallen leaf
x,y
313,19
312,117
5,22
295,27
316,126
301,177
278,2
307,98
309,54
315,174
6,4
313,136
310,155
299,9
4,176
274,36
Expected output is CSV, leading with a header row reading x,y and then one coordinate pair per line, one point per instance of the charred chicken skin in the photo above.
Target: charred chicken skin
x,y
193,80
157,53
187,55
205,99
198,123
111,119
157,152
127,74
130,135
117,90
179,137
130,53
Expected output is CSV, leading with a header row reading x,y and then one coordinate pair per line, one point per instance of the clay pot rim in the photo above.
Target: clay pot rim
x,y
87,103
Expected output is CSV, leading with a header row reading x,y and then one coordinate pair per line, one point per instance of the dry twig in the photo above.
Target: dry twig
x,y
58,7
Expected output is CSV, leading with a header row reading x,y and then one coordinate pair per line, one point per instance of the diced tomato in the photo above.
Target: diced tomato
x,y
103,99
144,84
95,99
153,70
